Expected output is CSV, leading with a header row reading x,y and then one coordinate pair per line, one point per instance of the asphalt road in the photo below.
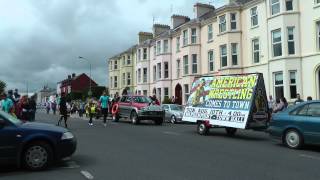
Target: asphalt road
x,y
122,151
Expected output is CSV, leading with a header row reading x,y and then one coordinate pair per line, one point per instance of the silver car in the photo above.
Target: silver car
x,y
174,112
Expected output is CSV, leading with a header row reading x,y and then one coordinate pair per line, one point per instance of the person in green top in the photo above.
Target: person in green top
x,y
7,104
104,103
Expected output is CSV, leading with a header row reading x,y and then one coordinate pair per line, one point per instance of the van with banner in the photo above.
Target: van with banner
x,y
228,101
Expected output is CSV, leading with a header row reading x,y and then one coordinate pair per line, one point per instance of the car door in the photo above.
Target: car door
x,y
122,104
167,111
128,106
8,141
312,123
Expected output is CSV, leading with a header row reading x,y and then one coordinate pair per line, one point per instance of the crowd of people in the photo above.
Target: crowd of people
x,y
22,107
281,103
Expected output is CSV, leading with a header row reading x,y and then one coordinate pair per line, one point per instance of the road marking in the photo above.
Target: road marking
x,y
86,174
310,157
171,133
71,165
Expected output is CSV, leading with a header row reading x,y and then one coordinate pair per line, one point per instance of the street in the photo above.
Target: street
x,y
123,151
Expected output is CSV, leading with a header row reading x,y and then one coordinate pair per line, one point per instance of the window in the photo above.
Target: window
x,y
194,64
154,73
234,53
123,79
166,70
186,65
193,35
317,1
128,78
275,7
222,24
154,51
139,54
136,77
185,37
158,47
233,21
223,55
165,46
139,75
293,84
186,92
210,32
254,17
166,92
211,61
314,109
115,81
145,54
318,35
123,60
159,70
111,82
145,75
178,44
276,43
110,65
278,85
128,59
145,92
159,93
178,68
256,51
115,64
291,49
289,6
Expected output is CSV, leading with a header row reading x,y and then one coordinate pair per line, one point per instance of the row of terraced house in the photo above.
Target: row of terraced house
x,y
279,38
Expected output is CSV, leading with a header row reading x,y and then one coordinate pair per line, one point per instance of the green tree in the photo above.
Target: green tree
x,y
3,86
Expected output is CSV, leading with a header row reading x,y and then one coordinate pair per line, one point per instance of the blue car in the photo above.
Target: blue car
x,y
297,125
34,146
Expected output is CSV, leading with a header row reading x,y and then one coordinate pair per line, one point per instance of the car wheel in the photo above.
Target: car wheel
x,y
158,121
231,131
134,117
37,156
202,129
293,139
173,119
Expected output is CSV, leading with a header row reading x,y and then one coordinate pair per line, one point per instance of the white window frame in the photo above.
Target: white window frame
x,y
291,40
185,37
185,65
158,47
128,78
110,65
211,60
233,21
194,63
178,67
159,93
154,51
166,70
139,54
277,85
145,92
128,59
193,35
144,53
274,3
166,92
235,54
154,69
178,44
145,75
186,92
111,80
139,75
276,43
123,79
123,60
115,64
222,24
210,32
254,51
159,70
287,6
165,46
293,84
254,16
318,34
115,80
223,55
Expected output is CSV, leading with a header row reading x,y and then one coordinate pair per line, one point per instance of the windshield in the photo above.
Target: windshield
x,y
10,118
176,108
141,99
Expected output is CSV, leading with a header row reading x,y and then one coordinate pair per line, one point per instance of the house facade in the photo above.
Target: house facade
x,y
279,38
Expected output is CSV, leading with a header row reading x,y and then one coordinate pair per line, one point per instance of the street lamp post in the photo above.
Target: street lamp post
x,y
90,90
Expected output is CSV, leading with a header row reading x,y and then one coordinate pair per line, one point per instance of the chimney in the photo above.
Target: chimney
x,y
143,36
177,20
200,9
69,76
159,28
73,75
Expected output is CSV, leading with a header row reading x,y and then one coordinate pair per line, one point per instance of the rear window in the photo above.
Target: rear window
x,y
141,99
314,109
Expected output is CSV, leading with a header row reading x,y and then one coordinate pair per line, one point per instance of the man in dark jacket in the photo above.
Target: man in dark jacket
x,y
63,110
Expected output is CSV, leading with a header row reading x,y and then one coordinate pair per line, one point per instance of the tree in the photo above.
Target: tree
x,y
3,86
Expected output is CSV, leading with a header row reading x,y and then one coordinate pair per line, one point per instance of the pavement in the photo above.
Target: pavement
x,y
122,151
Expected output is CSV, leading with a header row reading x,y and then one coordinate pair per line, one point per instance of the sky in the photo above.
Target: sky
x,y
41,40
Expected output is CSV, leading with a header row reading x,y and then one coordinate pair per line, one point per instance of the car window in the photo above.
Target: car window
x,y
128,99
314,109
9,117
301,111
123,99
141,99
166,107
175,107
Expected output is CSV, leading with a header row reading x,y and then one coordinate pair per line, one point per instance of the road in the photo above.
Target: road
x,y
122,151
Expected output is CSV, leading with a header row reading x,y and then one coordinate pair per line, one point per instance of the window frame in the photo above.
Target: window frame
x,y
124,79
145,75
115,80
291,41
159,71
144,53
128,60
222,24
276,43
254,51
178,44
193,35
293,96
185,37
178,68
186,92
318,34
273,4
210,32
233,21
194,63
166,94
185,65
166,46
158,47
278,85
154,69
235,54
139,54
128,78
222,56
166,70
115,67
254,16
211,60
286,1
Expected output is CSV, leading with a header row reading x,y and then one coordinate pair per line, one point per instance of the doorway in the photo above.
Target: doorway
x,y
178,94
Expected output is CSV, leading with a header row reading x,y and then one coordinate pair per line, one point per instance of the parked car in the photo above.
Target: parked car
x,y
298,125
174,113
136,108
33,145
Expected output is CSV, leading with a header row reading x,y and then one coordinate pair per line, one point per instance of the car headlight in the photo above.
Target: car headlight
x,y
67,135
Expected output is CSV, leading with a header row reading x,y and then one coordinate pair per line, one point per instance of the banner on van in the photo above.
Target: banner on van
x,y
225,100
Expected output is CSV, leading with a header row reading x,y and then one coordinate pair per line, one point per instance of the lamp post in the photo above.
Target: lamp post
x,y
90,92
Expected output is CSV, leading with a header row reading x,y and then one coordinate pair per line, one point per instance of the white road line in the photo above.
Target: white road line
x,y
171,133
71,165
86,174
310,157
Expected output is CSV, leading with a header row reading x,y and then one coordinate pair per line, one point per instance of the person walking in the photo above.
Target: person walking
x,y
63,110
25,108
33,107
92,111
104,103
7,104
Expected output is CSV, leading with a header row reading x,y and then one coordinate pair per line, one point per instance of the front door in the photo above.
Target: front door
x,y
178,94
8,142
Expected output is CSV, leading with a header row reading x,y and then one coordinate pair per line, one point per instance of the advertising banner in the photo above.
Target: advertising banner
x,y
227,100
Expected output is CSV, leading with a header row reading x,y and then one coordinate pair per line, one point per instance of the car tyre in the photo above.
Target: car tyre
x,y
231,131
37,156
134,118
293,139
173,119
202,129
